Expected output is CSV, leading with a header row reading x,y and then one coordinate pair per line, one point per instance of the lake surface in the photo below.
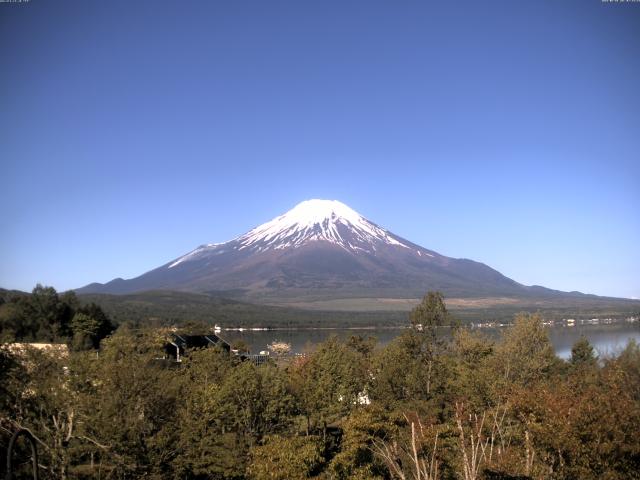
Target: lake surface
x,y
607,339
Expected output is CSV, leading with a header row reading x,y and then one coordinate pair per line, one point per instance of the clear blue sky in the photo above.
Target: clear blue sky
x,y
506,132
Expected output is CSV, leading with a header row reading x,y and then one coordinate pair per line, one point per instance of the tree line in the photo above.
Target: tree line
x,y
45,316
422,407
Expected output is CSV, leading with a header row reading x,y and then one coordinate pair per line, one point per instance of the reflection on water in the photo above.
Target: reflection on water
x,y
607,339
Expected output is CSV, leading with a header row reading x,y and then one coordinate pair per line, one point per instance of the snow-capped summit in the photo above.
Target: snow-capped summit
x,y
322,248
318,220
322,221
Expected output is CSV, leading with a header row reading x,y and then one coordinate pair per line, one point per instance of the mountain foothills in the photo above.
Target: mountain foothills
x,y
322,254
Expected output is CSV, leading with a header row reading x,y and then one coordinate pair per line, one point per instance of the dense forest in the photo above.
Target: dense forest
x,y
420,408
46,316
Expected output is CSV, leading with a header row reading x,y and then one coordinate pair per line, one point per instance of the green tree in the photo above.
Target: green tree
x,y
89,326
471,354
207,444
364,346
12,374
286,458
227,408
426,317
255,401
44,401
525,353
105,325
52,315
41,316
131,400
360,432
585,430
15,322
85,331
582,354
399,373
431,312
329,383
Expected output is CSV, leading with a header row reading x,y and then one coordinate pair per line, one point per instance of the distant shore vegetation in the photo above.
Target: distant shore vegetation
x,y
113,405
171,308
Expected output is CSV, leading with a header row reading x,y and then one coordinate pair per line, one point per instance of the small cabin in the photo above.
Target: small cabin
x,y
178,344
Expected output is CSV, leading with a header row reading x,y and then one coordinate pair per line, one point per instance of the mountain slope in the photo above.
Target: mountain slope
x,y
321,250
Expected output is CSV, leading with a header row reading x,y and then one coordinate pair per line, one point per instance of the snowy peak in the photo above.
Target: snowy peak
x,y
311,212
318,220
311,221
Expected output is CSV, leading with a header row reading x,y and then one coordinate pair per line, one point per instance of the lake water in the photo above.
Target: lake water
x,y
607,339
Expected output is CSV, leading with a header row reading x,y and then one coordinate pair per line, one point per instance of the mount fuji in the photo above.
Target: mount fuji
x,y
321,249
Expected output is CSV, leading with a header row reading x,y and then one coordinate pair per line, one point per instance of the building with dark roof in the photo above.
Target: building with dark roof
x,y
179,344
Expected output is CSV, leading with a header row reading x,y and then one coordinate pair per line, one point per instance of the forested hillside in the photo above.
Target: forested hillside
x,y
419,408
